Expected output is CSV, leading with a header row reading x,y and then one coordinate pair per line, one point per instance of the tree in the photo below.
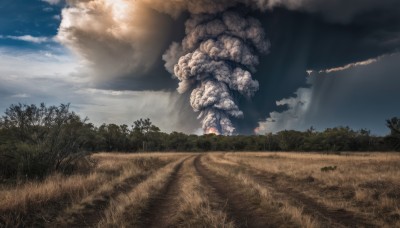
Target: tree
x,y
290,140
143,129
394,138
41,139
394,125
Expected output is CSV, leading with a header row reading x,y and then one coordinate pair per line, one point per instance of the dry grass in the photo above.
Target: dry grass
x,y
264,196
363,167
38,201
193,205
283,187
126,210
367,184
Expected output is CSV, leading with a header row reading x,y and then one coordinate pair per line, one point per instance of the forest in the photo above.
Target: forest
x,y
36,140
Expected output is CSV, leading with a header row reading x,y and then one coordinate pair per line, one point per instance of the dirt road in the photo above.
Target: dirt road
x,y
207,190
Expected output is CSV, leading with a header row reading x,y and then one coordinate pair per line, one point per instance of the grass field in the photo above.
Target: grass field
x,y
214,190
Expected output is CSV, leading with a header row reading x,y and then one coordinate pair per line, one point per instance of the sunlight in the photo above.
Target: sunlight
x,y
120,9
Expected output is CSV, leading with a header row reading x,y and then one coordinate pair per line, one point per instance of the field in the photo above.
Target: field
x,y
213,190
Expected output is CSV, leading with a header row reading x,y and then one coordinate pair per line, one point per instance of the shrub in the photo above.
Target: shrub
x,y
328,168
39,140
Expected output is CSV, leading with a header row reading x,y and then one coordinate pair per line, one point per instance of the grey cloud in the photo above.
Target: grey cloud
x,y
360,96
217,49
115,38
56,79
125,54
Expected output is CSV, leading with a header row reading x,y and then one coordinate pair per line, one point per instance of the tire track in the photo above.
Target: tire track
x,y
239,210
92,212
162,205
327,216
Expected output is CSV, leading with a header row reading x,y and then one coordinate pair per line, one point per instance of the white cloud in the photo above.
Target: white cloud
x,y
52,2
21,95
48,9
351,65
293,117
28,38
59,78
123,107
41,64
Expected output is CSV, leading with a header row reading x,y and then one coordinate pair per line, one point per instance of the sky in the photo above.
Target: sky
x,y
327,65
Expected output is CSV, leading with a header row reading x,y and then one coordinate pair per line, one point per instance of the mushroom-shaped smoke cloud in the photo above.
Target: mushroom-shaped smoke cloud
x,y
218,57
215,60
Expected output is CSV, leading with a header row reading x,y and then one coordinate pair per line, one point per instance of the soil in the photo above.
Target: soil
x,y
285,188
243,212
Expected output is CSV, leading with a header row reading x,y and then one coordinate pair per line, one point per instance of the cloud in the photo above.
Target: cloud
x,y
52,2
28,38
343,11
55,78
21,95
115,38
292,118
42,64
349,66
165,109
122,41
359,95
57,17
48,9
122,38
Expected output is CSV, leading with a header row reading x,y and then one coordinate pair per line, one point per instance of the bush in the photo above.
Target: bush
x,y
39,140
328,168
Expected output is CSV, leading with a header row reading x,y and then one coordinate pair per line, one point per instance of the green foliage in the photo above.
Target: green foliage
x,y
37,140
328,168
393,140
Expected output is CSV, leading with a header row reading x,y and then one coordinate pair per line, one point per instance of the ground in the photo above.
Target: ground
x,y
213,190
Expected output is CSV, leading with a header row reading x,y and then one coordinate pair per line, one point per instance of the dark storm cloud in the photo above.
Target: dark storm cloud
x,y
305,34
360,95
115,45
302,41
343,11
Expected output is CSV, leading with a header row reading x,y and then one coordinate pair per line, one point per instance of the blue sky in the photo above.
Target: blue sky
x,y
35,68
115,82
35,18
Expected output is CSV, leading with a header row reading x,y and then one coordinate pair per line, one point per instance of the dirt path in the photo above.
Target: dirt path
x,y
240,210
88,213
217,203
328,217
162,205
91,213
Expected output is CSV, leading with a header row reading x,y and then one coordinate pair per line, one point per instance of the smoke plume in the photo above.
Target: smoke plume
x,y
215,61
218,57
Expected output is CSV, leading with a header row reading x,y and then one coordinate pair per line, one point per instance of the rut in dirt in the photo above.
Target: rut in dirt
x,y
163,204
93,212
89,214
238,209
328,217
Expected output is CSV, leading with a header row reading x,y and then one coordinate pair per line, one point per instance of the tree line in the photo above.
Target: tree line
x,y
37,140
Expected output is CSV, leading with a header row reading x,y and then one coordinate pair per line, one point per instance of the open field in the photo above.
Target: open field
x,y
214,190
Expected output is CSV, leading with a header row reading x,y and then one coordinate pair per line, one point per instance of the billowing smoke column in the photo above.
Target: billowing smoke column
x,y
216,61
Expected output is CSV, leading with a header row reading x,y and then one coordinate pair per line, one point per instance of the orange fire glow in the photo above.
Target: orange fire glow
x,y
212,130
